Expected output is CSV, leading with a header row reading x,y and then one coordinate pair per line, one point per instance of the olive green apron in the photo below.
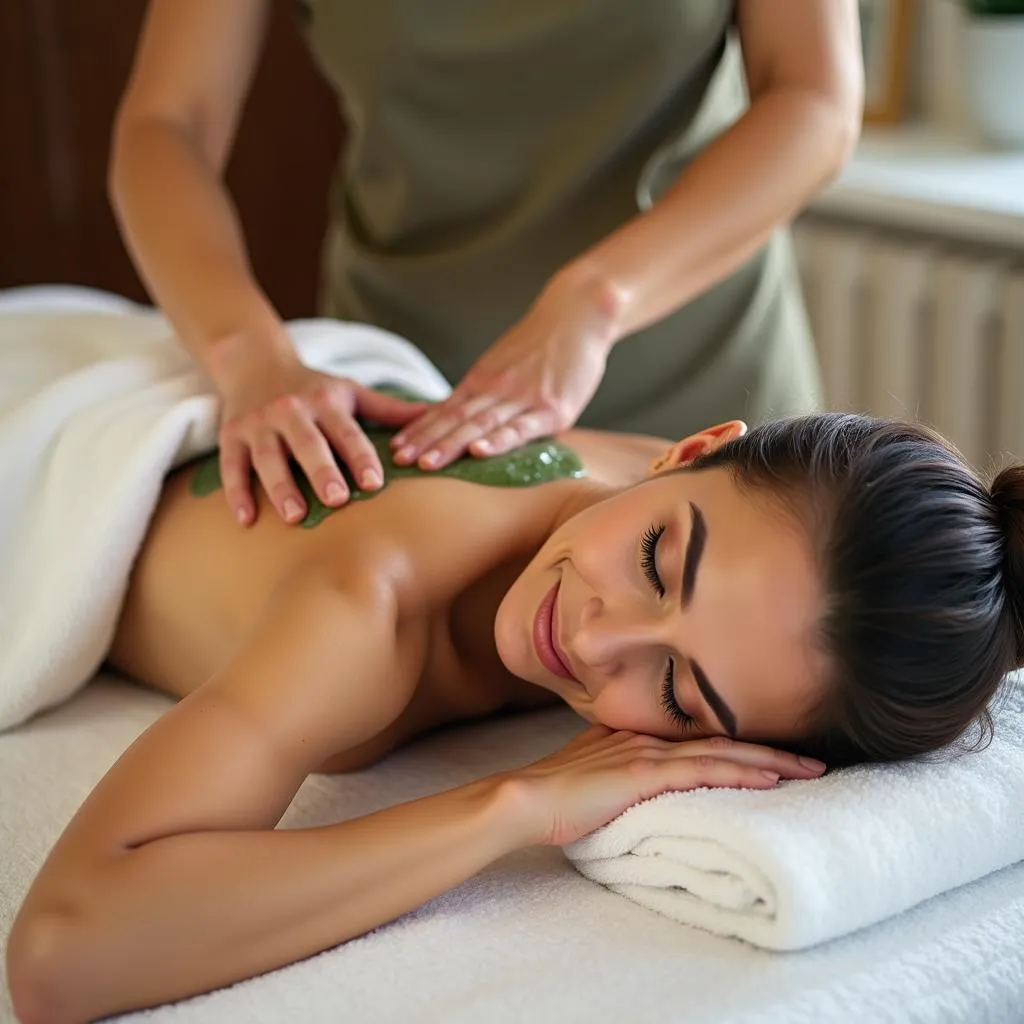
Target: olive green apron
x,y
491,141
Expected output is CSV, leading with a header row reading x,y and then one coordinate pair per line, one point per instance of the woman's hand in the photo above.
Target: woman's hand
x,y
600,773
532,382
276,408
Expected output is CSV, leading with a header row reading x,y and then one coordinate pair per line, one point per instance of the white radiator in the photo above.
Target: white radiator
x,y
919,329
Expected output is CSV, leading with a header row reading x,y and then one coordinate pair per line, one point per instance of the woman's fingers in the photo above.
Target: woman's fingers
x,y
787,765
619,749
602,772
598,777
663,776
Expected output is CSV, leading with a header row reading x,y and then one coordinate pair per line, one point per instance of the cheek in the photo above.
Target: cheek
x,y
513,626
603,545
630,706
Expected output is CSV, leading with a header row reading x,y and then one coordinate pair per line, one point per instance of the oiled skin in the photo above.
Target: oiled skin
x,y
201,584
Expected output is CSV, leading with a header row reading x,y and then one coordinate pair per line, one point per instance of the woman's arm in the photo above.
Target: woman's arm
x,y
805,74
169,880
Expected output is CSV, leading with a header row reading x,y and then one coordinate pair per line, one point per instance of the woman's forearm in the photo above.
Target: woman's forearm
x,y
722,209
183,233
188,913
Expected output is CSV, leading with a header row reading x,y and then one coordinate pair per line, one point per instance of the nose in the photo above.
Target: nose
x,y
607,636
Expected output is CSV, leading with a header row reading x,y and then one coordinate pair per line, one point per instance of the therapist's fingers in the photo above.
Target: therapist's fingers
x,y
304,438
459,441
518,431
271,465
440,421
355,448
235,465
387,410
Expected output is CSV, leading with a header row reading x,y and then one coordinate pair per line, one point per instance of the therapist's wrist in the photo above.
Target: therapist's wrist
x,y
254,350
596,303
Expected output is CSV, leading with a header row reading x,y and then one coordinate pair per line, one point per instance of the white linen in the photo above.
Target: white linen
x,y
529,939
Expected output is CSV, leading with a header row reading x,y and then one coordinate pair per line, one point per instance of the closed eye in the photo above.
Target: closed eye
x,y
669,703
648,557
649,564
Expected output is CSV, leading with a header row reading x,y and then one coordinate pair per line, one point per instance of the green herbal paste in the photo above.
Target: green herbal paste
x,y
538,462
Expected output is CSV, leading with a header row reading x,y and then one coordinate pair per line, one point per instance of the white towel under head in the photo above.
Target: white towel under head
x,y
99,399
808,861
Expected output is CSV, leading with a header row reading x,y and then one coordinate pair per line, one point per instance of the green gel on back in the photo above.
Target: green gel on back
x,y
538,462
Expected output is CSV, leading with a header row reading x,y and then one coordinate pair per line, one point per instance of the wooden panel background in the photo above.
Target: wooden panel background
x,y
63,65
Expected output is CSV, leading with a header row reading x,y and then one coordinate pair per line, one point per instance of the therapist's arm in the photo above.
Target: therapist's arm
x,y
172,137
805,73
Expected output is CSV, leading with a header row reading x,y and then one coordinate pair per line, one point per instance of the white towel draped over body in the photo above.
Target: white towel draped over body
x,y
98,401
810,861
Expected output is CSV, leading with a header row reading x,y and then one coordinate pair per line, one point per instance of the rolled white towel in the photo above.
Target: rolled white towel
x,y
810,861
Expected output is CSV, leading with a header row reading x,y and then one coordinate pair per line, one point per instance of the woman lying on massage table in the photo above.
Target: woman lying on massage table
x,y
834,585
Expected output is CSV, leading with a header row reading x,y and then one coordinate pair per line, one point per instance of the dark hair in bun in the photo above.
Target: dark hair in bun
x,y
1008,498
923,572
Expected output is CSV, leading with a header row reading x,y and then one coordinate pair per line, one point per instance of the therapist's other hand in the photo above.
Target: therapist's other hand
x,y
532,382
278,408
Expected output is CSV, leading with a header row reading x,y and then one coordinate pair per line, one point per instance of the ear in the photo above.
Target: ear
x,y
685,451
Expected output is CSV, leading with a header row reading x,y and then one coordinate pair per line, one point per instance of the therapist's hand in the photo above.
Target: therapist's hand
x,y
532,382
278,408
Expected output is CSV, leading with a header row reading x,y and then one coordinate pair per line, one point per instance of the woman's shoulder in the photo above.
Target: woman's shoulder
x,y
615,459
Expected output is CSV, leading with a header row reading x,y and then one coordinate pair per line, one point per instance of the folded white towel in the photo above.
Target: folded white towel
x,y
99,399
809,861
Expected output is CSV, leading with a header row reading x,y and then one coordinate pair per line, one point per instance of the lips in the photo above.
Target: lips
x,y
544,637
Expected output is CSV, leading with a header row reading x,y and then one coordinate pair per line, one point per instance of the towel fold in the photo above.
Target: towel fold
x,y
98,399
809,861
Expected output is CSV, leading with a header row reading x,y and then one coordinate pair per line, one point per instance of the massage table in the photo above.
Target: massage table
x,y
529,939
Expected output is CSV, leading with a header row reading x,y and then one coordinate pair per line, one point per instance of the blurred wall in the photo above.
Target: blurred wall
x,y
63,65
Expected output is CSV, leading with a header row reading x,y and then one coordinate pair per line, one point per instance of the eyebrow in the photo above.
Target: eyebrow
x,y
720,708
694,549
691,562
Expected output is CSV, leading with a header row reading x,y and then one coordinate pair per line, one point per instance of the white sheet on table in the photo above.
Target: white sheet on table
x,y
529,939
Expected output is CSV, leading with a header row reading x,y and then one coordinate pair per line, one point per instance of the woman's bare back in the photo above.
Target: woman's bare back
x,y
201,583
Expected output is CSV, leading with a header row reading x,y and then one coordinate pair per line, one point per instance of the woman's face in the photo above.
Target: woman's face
x,y
681,607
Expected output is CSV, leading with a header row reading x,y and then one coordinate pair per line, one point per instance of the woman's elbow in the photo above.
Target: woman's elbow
x,y
49,955
41,965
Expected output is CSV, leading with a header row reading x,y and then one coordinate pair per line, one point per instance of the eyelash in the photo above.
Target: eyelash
x,y
648,562
668,700
648,547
